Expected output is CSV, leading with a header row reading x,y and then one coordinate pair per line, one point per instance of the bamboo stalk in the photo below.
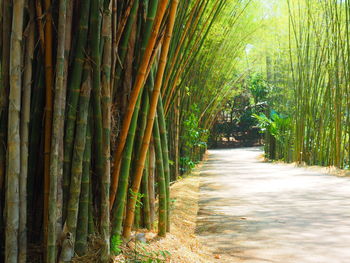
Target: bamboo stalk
x,y
141,126
165,155
48,108
83,215
189,59
5,53
4,91
189,23
3,107
95,24
123,21
57,135
139,82
145,198
106,125
151,182
122,49
14,150
163,208
151,115
142,122
177,135
79,147
39,14
73,98
125,40
67,49
35,149
114,48
25,118
124,176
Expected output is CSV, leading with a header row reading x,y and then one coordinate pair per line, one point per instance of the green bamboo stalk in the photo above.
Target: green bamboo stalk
x,y
4,90
151,115
48,62
141,125
137,87
73,99
145,198
13,163
137,218
78,152
158,83
91,223
67,48
2,178
124,176
122,50
151,183
106,126
165,153
162,210
95,24
150,14
177,135
5,53
83,216
57,135
140,132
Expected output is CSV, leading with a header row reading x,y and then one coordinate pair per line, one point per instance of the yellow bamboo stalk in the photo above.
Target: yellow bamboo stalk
x,y
139,82
152,112
188,25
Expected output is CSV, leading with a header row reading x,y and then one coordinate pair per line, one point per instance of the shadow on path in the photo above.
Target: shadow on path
x,y
250,211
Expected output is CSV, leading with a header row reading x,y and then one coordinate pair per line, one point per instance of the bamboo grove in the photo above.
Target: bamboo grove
x,y
94,118
315,129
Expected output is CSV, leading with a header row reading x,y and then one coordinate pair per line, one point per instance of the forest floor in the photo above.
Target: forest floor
x,y
181,243
254,212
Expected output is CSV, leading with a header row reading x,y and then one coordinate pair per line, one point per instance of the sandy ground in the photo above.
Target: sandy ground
x,y
181,242
256,212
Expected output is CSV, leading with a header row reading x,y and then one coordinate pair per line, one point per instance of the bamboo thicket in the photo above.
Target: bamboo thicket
x,y
88,94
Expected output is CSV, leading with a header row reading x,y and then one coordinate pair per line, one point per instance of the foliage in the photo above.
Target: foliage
x,y
116,242
258,87
194,135
278,125
137,197
194,138
237,116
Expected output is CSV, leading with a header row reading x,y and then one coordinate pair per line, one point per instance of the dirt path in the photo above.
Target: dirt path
x,y
256,212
